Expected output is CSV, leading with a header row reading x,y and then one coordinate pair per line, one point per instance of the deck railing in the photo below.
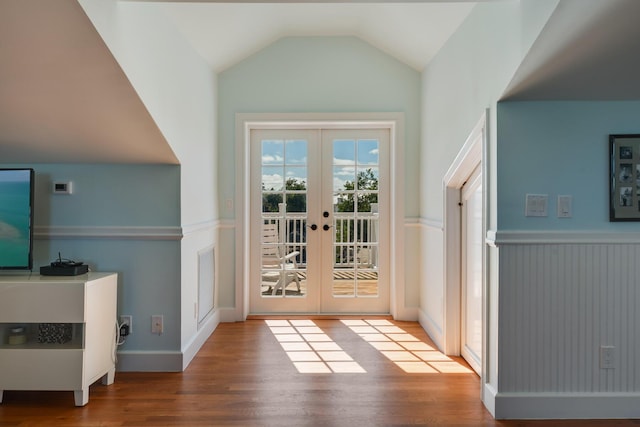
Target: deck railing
x,y
355,239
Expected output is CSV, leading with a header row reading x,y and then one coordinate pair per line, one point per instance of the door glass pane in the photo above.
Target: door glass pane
x,y
272,178
368,152
344,152
344,177
272,152
284,218
355,186
296,152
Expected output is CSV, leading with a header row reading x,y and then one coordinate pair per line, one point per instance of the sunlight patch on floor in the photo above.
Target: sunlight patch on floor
x,y
406,351
311,350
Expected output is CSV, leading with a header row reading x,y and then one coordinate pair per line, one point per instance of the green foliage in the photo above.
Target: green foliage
x,y
355,192
295,202
366,180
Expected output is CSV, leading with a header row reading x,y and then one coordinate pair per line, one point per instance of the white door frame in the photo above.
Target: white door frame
x,y
472,154
245,122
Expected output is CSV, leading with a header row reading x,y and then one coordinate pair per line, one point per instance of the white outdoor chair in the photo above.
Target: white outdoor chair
x,y
278,271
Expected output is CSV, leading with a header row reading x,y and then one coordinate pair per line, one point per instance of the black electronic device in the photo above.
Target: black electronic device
x,y
64,267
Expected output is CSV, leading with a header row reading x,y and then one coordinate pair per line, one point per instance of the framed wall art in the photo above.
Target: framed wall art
x,y
624,198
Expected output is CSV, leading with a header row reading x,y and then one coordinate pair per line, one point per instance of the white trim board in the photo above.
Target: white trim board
x,y
533,237
107,232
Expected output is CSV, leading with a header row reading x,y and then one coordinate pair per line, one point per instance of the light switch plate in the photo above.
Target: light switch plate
x,y
536,205
565,206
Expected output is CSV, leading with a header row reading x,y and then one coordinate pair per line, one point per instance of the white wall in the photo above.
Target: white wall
x,y
179,90
318,75
468,76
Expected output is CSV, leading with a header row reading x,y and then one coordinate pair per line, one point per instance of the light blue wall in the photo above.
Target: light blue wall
x,y
319,74
109,195
559,148
112,197
178,88
313,74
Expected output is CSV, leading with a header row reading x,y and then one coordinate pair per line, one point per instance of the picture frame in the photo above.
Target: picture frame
x,y
624,177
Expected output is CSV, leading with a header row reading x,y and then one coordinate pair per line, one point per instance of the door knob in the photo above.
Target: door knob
x,y
313,227
325,214
326,227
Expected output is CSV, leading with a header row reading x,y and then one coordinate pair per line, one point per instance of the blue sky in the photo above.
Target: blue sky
x,y
289,160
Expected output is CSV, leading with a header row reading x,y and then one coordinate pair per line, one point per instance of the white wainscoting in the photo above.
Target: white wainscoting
x,y
562,297
431,313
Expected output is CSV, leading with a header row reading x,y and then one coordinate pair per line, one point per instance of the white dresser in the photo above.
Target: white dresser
x,y
57,332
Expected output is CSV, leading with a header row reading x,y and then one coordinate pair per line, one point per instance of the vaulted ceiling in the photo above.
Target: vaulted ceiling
x,y
64,98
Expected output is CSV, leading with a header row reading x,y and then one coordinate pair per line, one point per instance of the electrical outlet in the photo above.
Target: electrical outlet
x,y
607,357
156,324
127,320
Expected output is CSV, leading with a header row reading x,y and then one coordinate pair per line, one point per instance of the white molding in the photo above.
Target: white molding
x,y
489,398
231,314
412,222
560,237
196,343
567,405
199,227
149,361
394,121
129,232
227,224
434,224
107,232
431,328
467,160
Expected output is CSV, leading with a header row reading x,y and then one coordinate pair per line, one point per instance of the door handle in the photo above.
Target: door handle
x,y
326,227
325,214
314,227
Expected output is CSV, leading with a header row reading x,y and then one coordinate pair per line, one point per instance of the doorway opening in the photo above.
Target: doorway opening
x,y
320,210
465,251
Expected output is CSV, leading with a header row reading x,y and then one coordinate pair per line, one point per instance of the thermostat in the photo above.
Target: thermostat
x,y
62,187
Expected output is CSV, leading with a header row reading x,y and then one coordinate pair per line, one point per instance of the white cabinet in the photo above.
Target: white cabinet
x,y
57,332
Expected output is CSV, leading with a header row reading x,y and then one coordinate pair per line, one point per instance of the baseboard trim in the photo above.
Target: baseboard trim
x,y
149,361
489,398
432,329
167,361
567,406
203,334
230,315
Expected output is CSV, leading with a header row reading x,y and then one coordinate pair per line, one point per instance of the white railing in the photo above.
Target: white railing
x,y
355,239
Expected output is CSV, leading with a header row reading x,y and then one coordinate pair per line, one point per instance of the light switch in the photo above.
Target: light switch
x,y
564,206
536,205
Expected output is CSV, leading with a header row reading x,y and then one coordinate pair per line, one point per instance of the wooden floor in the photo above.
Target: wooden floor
x,y
243,377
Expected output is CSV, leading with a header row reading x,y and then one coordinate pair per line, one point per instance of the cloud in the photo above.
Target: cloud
x,y
273,181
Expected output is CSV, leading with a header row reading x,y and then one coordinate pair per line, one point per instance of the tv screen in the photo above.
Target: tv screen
x,y
16,218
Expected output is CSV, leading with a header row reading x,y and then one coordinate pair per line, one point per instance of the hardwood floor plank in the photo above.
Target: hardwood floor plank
x,y
243,377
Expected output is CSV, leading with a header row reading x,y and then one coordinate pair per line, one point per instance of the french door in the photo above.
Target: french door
x,y
319,227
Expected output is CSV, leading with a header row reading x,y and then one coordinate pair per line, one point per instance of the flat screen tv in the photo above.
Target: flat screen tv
x,y
16,219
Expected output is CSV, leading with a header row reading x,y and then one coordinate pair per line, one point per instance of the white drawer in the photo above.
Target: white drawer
x,y
41,370
42,302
